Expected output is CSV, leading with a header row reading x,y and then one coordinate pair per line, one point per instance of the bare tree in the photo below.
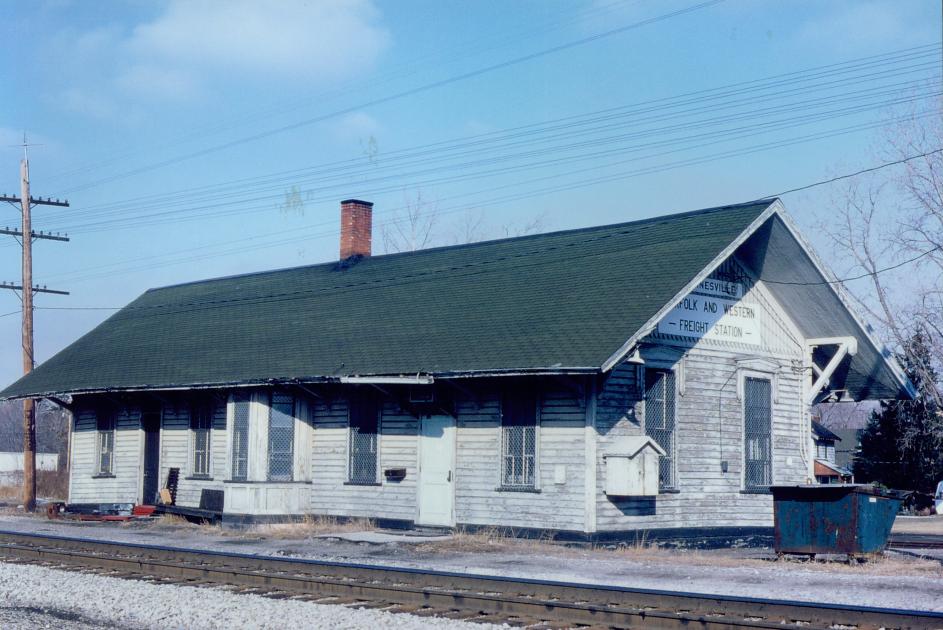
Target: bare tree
x,y
888,227
412,227
419,224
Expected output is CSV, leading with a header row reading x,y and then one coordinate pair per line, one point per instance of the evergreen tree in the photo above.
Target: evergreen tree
x,y
902,445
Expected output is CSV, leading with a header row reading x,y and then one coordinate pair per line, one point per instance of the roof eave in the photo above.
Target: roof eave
x,y
412,378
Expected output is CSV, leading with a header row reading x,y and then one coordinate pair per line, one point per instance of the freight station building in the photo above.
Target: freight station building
x,y
654,375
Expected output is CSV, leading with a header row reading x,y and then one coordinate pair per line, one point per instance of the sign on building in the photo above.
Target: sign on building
x,y
715,316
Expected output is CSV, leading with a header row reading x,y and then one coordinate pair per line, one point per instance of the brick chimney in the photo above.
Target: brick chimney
x,y
356,228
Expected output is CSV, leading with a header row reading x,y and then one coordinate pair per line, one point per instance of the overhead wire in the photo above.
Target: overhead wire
x,y
395,157
420,275
393,97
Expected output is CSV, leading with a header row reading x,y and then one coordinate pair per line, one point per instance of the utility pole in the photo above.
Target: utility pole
x,y
27,290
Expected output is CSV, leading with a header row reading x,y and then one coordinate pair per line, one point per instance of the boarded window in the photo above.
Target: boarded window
x,y
201,422
757,433
106,442
660,422
364,430
240,437
281,437
519,440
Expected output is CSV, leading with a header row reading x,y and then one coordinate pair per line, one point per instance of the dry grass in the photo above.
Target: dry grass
x,y
50,484
310,526
492,539
919,525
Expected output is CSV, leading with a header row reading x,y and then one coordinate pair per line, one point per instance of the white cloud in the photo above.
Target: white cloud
x,y
863,26
320,41
198,48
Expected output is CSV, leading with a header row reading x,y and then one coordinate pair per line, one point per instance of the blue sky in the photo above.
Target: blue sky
x,y
197,139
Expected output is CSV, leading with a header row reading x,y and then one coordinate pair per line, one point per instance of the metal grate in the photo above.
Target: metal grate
x,y
281,437
757,433
106,441
240,437
519,441
660,422
364,425
201,421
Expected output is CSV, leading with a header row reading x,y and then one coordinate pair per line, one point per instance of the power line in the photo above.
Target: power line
x,y
562,153
659,106
862,172
403,94
868,274
411,67
421,276
513,197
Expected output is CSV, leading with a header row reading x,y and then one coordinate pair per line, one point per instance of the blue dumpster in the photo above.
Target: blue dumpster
x,y
840,519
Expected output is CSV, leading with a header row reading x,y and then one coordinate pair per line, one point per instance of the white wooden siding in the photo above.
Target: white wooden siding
x,y
709,426
124,486
175,451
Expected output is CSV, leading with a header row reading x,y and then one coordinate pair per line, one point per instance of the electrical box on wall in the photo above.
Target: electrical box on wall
x,y
632,467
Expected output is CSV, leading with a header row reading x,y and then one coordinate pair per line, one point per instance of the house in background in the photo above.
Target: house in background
x,y
824,446
656,375
847,448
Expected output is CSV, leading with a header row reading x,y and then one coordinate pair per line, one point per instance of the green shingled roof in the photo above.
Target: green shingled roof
x,y
551,301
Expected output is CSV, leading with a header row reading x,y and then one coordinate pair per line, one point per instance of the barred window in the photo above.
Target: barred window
x,y
106,442
281,437
240,437
757,433
660,422
201,423
364,423
519,440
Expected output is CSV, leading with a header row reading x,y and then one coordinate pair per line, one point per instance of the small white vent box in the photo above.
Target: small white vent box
x,y
632,467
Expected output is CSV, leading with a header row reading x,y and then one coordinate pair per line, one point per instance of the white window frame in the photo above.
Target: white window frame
x,y
348,476
677,371
535,486
111,420
741,387
197,410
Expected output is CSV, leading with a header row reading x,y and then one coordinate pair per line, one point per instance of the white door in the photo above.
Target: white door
x,y
436,474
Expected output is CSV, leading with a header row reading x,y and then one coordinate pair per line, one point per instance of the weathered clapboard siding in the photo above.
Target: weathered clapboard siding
x,y
709,425
176,451
124,486
330,492
478,466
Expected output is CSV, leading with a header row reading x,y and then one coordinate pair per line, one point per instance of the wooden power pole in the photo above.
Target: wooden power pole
x,y
27,289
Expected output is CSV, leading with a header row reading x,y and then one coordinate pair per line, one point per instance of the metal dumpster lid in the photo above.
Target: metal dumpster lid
x,y
860,488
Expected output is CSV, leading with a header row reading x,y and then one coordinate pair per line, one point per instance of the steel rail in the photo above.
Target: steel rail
x,y
523,601
921,541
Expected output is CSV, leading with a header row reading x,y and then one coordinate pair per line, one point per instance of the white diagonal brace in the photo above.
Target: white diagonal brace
x,y
847,346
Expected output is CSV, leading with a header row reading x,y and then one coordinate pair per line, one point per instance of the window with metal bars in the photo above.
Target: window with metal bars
x,y
519,440
281,437
240,437
757,433
660,422
201,424
364,423
105,421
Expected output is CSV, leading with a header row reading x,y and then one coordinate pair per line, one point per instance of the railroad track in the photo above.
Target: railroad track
x,y
920,541
531,603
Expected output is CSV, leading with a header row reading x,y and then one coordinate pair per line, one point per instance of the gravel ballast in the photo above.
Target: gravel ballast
x,y
720,572
37,597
